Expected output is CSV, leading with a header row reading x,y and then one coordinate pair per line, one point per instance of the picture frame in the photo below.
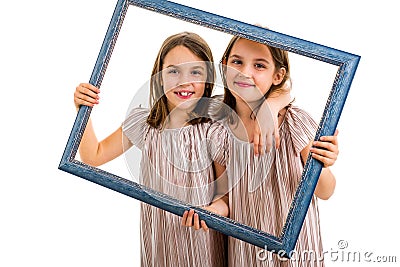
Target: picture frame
x,y
283,244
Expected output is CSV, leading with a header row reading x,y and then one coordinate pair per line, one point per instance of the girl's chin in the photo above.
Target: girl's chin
x,y
246,97
187,106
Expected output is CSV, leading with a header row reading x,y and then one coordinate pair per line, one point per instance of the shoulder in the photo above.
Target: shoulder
x,y
298,111
135,125
299,117
218,127
138,112
299,127
135,116
218,141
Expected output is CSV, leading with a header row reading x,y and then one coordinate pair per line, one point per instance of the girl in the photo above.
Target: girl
x,y
260,198
262,188
175,159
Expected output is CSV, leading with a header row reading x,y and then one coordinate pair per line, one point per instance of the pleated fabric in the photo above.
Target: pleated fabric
x,y
178,162
262,189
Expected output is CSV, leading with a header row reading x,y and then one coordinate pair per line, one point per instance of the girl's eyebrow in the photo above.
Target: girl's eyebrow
x,y
170,66
198,67
179,65
257,59
263,60
235,56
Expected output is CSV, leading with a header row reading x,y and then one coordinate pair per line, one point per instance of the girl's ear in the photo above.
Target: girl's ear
x,y
278,76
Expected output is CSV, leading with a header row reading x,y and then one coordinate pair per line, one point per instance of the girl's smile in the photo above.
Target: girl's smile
x,y
243,84
184,94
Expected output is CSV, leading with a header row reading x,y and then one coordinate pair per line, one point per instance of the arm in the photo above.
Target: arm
x,y
326,150
91,150
219,205
268,112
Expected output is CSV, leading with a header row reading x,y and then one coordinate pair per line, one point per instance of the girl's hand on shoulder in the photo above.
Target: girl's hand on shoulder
x,y
86,94
266,129
326,150
191,219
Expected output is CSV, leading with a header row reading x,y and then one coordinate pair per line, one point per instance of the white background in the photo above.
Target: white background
x,y
51,218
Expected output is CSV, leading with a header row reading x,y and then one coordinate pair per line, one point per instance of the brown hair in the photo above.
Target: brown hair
x,y
158,101
281,60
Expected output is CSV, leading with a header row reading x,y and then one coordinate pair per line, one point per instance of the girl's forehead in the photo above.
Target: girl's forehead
x,y
247,48
180,55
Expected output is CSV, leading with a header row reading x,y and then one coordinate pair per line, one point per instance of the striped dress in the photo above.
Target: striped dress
x,y
262,189
177,162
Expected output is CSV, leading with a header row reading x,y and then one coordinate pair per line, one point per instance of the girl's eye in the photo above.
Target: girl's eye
x,y
236,61
172,71
197,72
259,66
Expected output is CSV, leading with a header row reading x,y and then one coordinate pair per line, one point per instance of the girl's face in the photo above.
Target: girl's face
x,y
183,77
251,70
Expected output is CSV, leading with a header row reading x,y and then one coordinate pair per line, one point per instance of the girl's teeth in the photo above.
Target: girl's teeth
x,y
184,93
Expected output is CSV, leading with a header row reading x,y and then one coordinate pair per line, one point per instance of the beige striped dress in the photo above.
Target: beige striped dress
x,y
262,189
177,162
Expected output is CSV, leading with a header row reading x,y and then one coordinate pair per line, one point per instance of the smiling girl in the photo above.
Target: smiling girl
x,y
262,189
182,152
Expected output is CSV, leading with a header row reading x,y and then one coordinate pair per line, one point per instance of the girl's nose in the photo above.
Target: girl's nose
x,y
245,71
184,80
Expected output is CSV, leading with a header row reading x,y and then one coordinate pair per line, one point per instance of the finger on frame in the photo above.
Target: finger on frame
x,y
204,225
196,222
184,217
189,219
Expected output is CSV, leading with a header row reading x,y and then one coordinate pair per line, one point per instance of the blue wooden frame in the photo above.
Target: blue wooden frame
x,y
347,64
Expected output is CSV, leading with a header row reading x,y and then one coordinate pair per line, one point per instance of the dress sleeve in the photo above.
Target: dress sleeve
x,y
218,142
302,127
135,126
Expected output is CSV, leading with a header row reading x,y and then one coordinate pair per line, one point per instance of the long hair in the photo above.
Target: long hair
x,y
158,101
281,60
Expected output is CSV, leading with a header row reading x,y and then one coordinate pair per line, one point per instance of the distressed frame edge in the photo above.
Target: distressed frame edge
x,y
312,168
168,203
97,75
